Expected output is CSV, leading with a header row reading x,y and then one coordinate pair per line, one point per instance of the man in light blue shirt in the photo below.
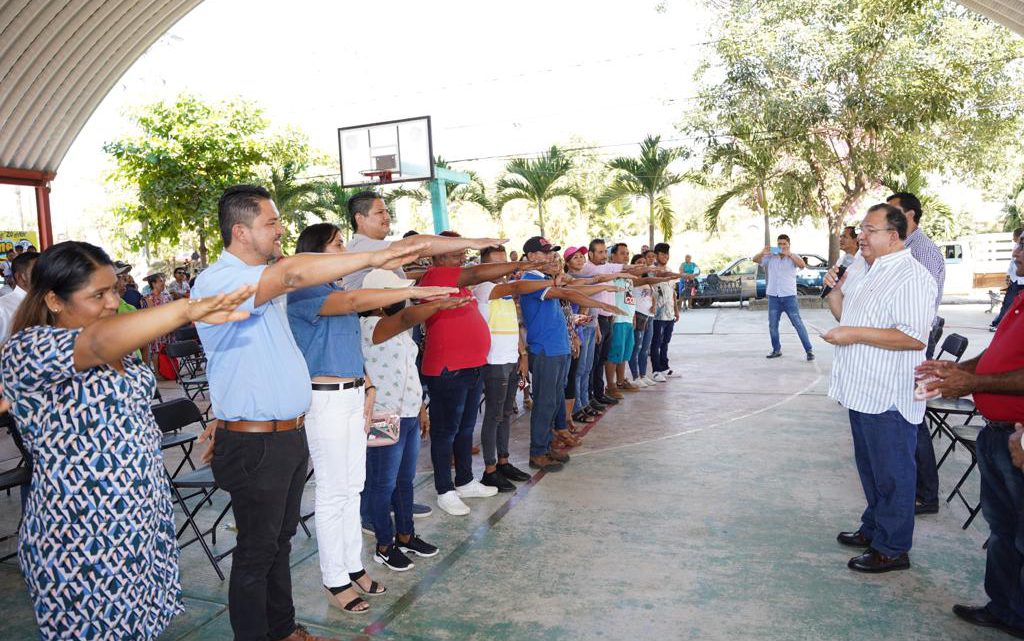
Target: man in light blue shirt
x,y
781,266
260,389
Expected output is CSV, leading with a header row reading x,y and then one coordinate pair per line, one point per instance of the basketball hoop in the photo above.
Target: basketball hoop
x,y
381,176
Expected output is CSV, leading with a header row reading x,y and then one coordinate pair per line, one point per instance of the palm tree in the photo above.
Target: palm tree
x,y
751,167
646,177
538,180
331,203
475,192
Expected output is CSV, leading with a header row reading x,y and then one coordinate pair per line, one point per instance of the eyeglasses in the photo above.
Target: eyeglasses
x,y
870,230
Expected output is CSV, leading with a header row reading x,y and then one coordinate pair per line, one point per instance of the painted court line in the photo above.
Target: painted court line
x,y
707,427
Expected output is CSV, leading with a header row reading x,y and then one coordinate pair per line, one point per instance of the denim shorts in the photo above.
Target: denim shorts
x,y
622,343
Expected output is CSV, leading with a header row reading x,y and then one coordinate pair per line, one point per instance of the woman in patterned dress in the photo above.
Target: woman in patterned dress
x,y
97,541
158,296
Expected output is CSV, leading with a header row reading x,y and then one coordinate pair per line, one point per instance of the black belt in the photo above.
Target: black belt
x,y
334,387
1002,426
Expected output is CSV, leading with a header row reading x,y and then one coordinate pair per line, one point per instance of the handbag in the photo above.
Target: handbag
x,y
167,366
385,428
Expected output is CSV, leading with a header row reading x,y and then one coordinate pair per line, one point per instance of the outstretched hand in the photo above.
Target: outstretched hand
x,y
612,309
430,293
452,302
221,308
483,243
397,255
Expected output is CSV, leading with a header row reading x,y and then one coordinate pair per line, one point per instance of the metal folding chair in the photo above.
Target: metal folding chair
x,y
172,417
16,477
200,480
187,366
966,435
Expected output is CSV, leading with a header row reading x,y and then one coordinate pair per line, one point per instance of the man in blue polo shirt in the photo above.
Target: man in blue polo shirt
x,y
547,337
260,389
781,265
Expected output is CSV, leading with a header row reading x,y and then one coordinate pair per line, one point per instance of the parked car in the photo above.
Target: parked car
x,y
743,278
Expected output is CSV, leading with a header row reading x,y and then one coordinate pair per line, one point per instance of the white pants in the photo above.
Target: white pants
x,y
337,445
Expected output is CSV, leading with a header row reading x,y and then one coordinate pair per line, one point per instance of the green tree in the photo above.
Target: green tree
x,y
181,158
537,181
938,221
647,176
474,192
843,91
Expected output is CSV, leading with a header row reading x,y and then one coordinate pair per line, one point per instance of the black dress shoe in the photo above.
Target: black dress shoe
x,y
874,562
596,407
608,400
774,355
980,616
926,508
854,539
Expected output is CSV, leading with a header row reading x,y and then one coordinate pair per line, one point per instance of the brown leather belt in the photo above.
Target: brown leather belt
x,y
262,427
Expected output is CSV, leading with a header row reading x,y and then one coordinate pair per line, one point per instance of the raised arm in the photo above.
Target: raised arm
x,y
307,270
437,245
519,288
759,256
797,260
590,290
576,296
108,340
361,300
391,326
477,274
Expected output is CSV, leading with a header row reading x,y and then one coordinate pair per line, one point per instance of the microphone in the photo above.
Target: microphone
x,y
839,275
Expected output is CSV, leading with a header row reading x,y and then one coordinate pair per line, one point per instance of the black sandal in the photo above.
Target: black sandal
x,y
351,605
375,588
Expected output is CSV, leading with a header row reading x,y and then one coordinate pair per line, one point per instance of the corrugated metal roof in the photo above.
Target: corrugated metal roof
x,y
59,58
1009,13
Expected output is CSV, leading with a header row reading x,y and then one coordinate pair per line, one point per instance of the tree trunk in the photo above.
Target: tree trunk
x,y
762,200
650,225
202,249
540,216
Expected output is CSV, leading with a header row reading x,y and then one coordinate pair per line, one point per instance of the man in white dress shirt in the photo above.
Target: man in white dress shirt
x,y
885,312
21,267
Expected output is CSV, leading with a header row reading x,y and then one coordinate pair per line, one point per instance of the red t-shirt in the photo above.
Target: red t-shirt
x,y
456,338
1004,354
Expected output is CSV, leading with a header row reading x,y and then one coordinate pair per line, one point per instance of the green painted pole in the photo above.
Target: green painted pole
x,y
439,194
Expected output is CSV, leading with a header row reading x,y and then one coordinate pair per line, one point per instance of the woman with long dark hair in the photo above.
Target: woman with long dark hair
x,y
97,541
326,328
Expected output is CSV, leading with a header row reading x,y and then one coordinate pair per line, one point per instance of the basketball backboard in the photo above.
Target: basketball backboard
x,y
386,152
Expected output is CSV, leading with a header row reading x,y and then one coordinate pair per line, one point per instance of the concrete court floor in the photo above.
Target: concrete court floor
x,y
703,508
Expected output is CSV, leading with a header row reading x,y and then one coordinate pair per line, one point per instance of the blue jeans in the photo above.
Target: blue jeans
x,y
548,374
788,304
1011,294
585,366
454,404
641,348
883,447
390,472
659,344
1002,504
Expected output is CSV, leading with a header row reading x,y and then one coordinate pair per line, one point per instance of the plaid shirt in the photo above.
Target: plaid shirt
x,y
928,254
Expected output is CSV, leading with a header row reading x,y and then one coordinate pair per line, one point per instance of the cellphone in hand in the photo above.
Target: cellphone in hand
x,y
776,251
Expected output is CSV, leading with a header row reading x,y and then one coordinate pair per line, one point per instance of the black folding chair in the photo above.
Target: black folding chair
x,y
172,417
186,333
200,480
187,367
955,345
15,477
966,435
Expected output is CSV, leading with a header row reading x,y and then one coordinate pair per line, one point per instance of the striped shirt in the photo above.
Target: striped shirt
x,y
896,292
927,253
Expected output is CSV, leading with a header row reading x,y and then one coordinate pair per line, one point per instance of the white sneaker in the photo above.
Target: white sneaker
x,y
641,382
650,379
660,377
475,490
672,374
452,504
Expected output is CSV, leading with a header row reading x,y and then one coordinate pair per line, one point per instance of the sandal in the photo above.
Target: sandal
x,y
375,588
565,439
333,600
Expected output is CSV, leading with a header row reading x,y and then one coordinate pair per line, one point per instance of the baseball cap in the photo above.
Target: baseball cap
x,y
538,244
572,251
385,279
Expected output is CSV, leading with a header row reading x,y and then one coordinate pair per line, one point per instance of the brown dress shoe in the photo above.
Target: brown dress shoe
x,y
545,463
302,634
614,393
558,455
